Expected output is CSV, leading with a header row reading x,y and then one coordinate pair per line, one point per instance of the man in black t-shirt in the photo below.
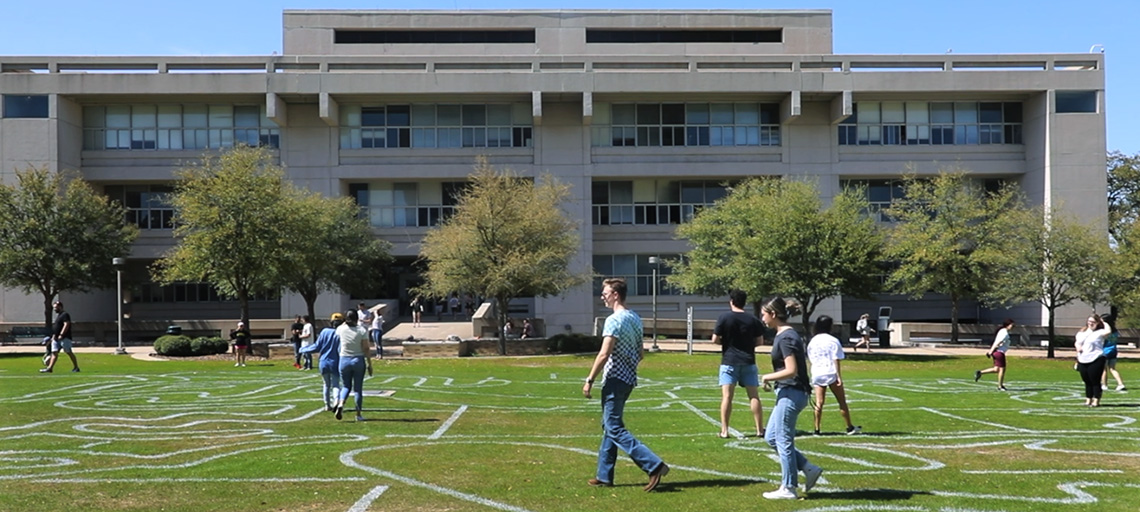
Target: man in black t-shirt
x,y
296,339
739,333
60,338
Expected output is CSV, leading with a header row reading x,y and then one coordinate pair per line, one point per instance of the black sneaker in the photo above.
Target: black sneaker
x,y
45,370
854,430
977,375
75,370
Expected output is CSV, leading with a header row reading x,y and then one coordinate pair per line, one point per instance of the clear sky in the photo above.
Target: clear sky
x,y
215,27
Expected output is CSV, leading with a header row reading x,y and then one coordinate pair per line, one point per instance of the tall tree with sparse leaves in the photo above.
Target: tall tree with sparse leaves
x,y
1058,261
508,238
332,248
57,234
233,213
951,237
774,237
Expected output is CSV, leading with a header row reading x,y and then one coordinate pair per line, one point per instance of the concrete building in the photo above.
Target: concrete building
x,y
644,113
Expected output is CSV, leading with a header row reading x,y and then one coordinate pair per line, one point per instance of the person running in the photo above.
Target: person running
x,y
790,375
1090,356
355,355
825,352
863,326
617,362
328,345
241,338
307,339
60,338
997,352
1110,356
739,333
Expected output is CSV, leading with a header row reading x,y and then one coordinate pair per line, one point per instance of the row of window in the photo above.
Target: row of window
x,y
188,292
637,271
148,206
686,124
407,204
652,202
142,127
436,126
932,123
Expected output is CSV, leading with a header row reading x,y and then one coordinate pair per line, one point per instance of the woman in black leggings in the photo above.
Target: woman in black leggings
x,y
1090,356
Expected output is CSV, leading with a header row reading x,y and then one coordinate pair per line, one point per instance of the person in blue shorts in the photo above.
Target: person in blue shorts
x,y
739,333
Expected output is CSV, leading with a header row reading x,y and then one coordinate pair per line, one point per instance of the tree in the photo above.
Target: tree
x,y
1123,192
508,238
233,214
332,248
774,237
1058,261
950,237
58,235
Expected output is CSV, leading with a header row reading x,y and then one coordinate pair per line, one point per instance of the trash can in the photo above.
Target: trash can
x,y
175,330
884,326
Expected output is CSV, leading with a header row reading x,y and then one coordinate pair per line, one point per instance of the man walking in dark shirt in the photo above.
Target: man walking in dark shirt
x,y
60,338
739,333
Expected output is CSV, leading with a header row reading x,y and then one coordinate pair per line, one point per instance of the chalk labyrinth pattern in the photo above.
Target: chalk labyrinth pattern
x,y
130,418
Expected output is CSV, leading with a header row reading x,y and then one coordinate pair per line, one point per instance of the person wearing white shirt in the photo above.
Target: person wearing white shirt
x,y
824,351
307,338
355,353
376,332
997,352
1090,356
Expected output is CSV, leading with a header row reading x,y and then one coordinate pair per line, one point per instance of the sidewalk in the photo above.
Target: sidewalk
x,y
921,349
140,353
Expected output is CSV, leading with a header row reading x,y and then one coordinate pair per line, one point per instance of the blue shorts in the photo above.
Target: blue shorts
x,y
746,375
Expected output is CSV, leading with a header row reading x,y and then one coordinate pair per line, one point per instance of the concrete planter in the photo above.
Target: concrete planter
x,y
436,348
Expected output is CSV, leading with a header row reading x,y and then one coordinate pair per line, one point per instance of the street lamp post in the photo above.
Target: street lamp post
x,y
118,263
653,260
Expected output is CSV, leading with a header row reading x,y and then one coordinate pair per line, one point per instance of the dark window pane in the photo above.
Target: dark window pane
x,y
648,113
25,106
673,113
991,112
1076,102
399,115
1012,112
372,116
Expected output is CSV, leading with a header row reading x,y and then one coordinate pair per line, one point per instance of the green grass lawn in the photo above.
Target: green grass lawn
x,y
515,434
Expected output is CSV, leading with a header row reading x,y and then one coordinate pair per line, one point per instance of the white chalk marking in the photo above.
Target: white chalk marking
x,y
447,424
963,418
366,501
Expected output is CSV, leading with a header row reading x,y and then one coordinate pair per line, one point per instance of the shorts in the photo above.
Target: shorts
x,y
746,375
64,344
999,359
240,347
1110,361
824,380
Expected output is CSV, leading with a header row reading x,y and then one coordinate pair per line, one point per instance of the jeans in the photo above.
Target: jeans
x,y
331,388
352,376
376,336
614,435
1090,373
308,361
781,433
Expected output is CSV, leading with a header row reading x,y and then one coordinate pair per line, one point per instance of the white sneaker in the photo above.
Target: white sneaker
x,y
1103,387
782,493
1121,388
811,475
237,364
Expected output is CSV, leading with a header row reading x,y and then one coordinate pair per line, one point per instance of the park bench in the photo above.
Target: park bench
x,y
23,334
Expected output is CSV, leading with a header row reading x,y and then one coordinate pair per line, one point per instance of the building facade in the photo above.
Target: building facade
x,y
646,114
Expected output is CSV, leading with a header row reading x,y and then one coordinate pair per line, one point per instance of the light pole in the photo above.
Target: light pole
x,y
653,260
118,263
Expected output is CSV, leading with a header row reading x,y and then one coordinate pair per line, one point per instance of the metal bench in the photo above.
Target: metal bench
x,y
23,334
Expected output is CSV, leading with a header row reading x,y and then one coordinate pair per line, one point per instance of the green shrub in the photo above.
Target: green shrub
x,y
183,346
574,343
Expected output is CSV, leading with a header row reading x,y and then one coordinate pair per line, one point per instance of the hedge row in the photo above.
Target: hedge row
x,y
182,346
574,343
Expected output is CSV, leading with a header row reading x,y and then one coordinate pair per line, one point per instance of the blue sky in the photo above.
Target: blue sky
x,y
213,27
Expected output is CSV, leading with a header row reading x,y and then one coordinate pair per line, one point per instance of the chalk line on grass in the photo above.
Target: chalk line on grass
x,y
366,501
447,424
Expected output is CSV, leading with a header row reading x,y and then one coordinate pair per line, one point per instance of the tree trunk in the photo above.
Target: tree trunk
x,y
503,314
243,301
953,318
47,309
1049,333
310,305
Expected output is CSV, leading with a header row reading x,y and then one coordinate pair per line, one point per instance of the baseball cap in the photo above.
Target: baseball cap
x,y
336,316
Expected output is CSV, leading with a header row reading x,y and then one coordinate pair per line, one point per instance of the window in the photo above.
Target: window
x,y
189,292
1076,102
604,35
174,127
880,194
29,107
494,125
896,123
148,206
433,36
407,204
686,124
652,202
637,271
